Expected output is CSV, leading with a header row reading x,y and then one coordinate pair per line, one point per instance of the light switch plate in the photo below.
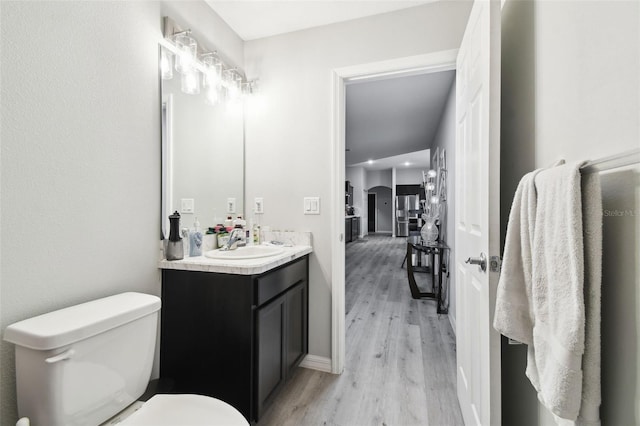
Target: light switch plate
x,y
258,205
231,205
311,205
187,205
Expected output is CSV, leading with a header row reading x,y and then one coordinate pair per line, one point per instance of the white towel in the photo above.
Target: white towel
x,y
555,364
542,292
592,229
513,315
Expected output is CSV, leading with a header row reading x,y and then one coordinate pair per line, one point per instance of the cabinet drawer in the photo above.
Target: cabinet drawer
x,y
273,283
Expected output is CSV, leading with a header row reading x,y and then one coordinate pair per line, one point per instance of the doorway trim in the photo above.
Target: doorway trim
x,y
420,64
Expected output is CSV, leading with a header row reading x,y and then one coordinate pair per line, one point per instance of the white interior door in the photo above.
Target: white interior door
x,y
477,213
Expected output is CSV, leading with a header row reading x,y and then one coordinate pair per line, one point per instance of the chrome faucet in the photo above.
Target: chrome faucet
x,y
234,237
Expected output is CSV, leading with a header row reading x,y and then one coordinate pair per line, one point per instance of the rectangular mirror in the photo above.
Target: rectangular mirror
x,y
202,156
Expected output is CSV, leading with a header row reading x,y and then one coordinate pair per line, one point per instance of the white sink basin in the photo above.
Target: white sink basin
x,y
250,252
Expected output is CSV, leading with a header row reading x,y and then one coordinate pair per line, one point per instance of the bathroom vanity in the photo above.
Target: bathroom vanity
x,y
234,330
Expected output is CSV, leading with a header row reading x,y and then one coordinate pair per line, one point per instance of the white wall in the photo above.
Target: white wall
x,y
410,176
288,137
571,90
445,138
80,154
378,178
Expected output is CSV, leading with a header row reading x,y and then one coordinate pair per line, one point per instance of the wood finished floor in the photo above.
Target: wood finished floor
x,y
400,355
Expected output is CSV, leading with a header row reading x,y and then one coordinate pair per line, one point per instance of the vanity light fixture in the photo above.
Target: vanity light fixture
x,y
432,173
181,47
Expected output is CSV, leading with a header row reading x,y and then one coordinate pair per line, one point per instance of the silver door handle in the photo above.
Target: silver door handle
x,y
480,261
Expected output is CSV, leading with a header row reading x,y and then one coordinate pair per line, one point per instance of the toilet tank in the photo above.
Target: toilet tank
x,y
83,364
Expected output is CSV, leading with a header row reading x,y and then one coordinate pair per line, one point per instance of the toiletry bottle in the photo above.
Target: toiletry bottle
x,y
209,240
256,233
184,233
174,251
250,233
238,223
228,223
195,240
223,235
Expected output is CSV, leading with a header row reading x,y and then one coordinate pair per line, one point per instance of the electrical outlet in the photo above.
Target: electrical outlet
x,y
231,205
258,205
187,205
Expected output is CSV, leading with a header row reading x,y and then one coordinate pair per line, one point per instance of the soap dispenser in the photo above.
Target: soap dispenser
x,y
175,250
195,240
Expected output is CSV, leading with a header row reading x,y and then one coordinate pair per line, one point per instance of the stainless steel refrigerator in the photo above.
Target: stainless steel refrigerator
x,y
407,207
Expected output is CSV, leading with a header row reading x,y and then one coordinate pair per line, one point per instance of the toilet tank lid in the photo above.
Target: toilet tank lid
x,y
75,323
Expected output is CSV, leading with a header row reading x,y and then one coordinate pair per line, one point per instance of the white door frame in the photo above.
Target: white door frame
x,y
419,64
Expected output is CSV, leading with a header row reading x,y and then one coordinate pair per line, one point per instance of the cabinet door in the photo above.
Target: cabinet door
x,y
347,230
297,336
355,228
270,345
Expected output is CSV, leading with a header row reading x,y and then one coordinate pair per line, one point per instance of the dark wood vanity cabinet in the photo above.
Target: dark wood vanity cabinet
x,y
237,338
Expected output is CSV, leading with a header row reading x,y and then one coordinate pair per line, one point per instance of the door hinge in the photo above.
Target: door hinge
x,y
495,264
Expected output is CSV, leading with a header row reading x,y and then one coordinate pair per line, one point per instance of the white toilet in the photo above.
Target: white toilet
x,y
87,365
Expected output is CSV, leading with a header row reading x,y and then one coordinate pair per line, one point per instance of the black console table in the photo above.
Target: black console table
x,y
436,250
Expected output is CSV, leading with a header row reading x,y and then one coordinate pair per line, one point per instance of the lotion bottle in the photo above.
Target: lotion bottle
x,y
195,240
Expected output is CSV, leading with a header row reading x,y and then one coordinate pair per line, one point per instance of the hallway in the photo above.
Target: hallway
x,y
400,359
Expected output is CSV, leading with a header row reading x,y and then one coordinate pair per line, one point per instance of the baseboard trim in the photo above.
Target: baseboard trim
x,y
314,362
452,321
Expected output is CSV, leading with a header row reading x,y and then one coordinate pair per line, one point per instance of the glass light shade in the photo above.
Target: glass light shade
x,y
228,78
190,82
431,186
187,51
166,64
213,71
432,173
435,199
231,81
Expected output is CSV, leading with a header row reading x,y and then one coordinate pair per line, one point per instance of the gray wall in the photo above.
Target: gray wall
x,y
570,90
80,153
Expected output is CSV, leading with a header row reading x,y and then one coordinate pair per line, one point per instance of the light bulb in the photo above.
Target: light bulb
x,y
432,173
435,200
190,82
187,51
213,74
431,187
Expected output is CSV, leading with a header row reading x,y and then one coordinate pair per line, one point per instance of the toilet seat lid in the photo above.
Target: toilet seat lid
x,y
185,410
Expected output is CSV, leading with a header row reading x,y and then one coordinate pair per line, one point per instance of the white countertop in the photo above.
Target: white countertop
x,y
239,266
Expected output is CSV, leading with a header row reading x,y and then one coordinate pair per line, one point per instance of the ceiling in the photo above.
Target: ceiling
x,y
257,19
394,116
